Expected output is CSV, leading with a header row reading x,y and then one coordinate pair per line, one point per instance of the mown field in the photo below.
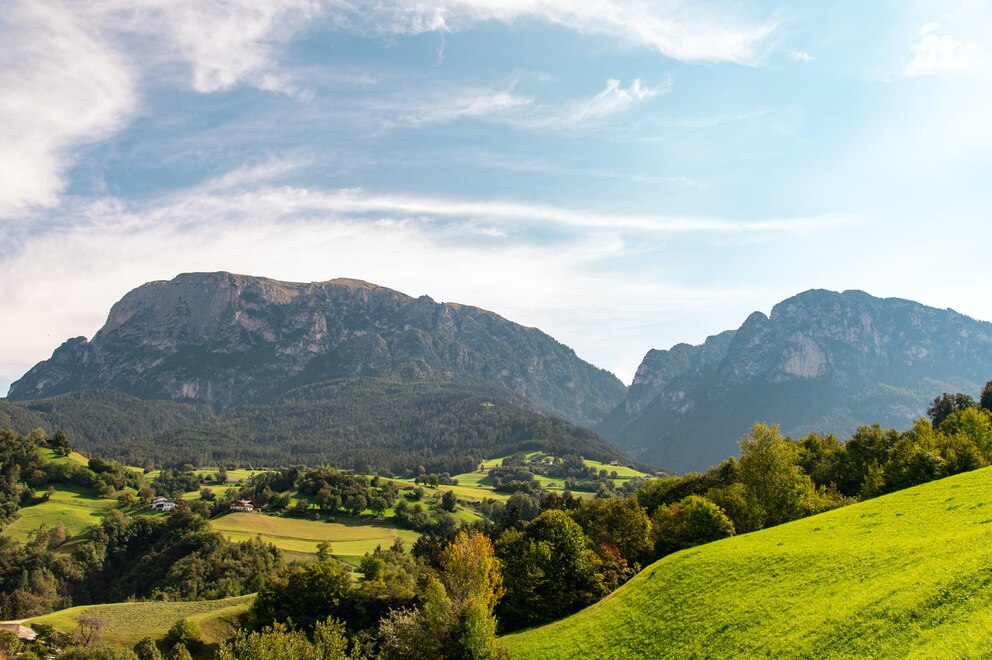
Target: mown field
x,y
477,485
128,623
349,539
76,508
908,574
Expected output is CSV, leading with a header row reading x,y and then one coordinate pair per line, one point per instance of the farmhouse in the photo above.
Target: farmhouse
x,y
242,505
163,504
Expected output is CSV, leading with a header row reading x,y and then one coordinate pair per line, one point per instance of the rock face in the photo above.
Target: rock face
x,y
226,339
822,362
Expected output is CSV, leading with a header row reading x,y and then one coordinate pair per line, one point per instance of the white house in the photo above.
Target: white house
x,y
242,505
163,504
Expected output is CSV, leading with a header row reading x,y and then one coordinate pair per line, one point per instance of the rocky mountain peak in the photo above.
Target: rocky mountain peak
x,y
821,361
224,339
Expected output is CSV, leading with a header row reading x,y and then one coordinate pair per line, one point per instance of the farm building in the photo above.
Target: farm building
x,y
163,504
242,505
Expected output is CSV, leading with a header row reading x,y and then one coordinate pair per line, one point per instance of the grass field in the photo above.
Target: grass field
x,y
907,574
348,538
74,457
128,623
478,484
74,507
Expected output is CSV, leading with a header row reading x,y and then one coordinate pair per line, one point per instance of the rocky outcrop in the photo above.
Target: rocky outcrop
x,y
226,339
821,362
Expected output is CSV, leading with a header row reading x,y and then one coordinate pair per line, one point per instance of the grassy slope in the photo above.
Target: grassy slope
x,y
127,623
905,574
348,538
76,508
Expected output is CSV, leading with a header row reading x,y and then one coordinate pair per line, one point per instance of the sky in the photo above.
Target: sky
x,y
622,175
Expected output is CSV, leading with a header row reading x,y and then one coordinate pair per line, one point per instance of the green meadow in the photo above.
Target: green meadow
x,y
76,508
907,574
125,624
349,538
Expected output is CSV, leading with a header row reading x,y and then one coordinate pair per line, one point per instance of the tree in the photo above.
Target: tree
x,y
184,633
304,595
946,404
548,571
470,571
90,631
456,618
61,444
449,500
623,523
776,486
693,521
278,642
146,649
985,399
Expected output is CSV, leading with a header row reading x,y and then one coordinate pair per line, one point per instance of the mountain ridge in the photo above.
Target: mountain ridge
x,y
821,361
225,339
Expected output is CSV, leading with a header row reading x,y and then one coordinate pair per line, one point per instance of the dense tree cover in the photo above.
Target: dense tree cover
x,y
22,468
178,558
370,425
537,557
99,419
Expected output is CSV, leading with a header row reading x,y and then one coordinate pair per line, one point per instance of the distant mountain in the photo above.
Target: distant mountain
x,y
821,362
224,340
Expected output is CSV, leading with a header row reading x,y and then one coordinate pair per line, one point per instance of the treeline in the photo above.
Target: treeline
x,y
370,425
174,558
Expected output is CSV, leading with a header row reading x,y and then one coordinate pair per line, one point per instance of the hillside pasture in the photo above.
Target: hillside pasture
x,y
125,624
906,574
349,538
76,508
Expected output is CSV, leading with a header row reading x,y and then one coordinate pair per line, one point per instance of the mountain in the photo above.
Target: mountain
x,y
822,362
903,575
224,340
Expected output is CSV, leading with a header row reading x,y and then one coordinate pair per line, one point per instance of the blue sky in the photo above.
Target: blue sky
x,y
623,175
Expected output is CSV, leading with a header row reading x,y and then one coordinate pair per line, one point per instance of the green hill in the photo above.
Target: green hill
x,y
127,623
904,574
443,426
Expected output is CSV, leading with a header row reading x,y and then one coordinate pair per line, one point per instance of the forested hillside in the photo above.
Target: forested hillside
x,y
369,424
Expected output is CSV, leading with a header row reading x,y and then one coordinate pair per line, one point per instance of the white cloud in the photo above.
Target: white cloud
x,y
927,28
800,56
937,55
61,86
224,43
689,31
476,252
612,100
448,106
70,73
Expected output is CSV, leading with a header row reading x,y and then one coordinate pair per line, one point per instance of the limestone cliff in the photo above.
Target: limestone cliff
x,y
226,339
821,362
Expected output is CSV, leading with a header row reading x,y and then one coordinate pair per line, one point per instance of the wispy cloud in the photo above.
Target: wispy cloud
x,y
533,263
800,56
69,73
224,43
60,87
688,31
447,106
614,99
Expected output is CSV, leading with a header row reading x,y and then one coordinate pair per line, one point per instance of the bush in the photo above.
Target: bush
x,y
186,633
